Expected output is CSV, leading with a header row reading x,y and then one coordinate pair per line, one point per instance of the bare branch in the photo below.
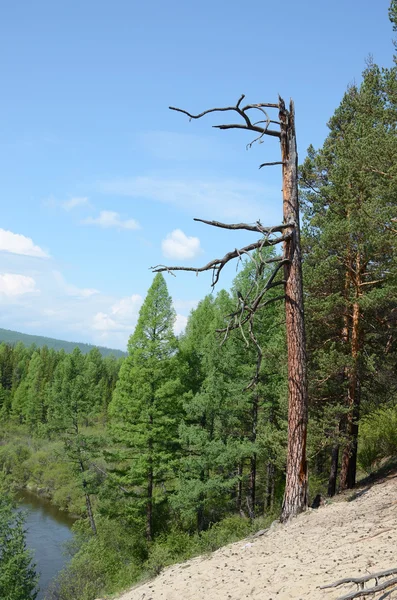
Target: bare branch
x,y
240,100
242,112
267,121
275,299
271,164
251,128
205,112
253,306
362,593
360,580
217,264
257,227
261,105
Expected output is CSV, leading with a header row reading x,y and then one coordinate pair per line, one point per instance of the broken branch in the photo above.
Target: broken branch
x,y
257,227
271,164
217,264
242,112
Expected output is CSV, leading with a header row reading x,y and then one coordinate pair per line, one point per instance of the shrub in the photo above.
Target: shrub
x,y
378,437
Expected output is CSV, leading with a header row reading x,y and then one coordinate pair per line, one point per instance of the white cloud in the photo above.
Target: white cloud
x,y
109,218
180,246
216,198
12,284
122,316
185,304
74,202
102,322
127,308
180,324
16,243
73,290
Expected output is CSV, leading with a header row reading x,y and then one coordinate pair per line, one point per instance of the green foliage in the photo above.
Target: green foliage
x,y
378,437
146,407
108,560
350,248
18,579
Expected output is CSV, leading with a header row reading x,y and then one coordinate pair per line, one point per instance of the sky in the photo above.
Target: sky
x,y
100,180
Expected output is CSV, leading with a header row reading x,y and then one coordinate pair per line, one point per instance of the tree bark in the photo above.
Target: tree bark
x,y
149,504
90,513
270,483
349,457
333,471
239,489
87,499
253,462
295,497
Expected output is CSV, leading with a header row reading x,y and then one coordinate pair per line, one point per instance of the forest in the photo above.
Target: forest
x,y
13,337
170,452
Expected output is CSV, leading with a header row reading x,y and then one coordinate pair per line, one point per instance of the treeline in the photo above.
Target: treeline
x,y
13,337
40,387
178,429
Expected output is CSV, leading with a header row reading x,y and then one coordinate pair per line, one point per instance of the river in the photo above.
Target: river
x,y
47,530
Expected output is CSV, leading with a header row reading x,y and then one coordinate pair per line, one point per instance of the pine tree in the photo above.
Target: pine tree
x,y
146,407
350,264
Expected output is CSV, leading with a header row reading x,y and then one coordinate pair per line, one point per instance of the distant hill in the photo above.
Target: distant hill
x,y
13,337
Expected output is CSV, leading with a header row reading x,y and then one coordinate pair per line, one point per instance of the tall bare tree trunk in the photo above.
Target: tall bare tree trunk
x,y
88,504
333,474
270,484
295,497
253,462
149,503
239,489
349,457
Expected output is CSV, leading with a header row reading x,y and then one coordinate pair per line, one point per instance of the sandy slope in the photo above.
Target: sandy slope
x,y
292,561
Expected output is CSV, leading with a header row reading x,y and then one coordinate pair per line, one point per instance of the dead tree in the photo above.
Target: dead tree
x,y
295,498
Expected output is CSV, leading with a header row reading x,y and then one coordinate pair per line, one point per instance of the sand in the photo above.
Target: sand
x,y
292,561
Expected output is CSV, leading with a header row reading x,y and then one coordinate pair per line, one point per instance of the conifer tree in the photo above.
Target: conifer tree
x,y
350,264
211,435
146,408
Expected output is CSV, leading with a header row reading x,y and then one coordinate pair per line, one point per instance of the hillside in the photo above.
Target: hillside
x,y
13,337
343,539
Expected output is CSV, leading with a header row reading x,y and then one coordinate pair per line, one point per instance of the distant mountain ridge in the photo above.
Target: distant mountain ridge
x,y
13,337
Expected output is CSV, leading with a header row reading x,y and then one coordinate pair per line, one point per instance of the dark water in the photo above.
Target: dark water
x,y
47,530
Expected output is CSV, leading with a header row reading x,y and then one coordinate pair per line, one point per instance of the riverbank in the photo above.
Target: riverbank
x,y
290,562
40,466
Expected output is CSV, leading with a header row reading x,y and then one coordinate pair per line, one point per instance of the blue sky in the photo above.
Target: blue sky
x,y
100,181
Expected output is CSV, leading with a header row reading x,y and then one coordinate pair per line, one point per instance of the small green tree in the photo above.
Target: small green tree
x,y
18,578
